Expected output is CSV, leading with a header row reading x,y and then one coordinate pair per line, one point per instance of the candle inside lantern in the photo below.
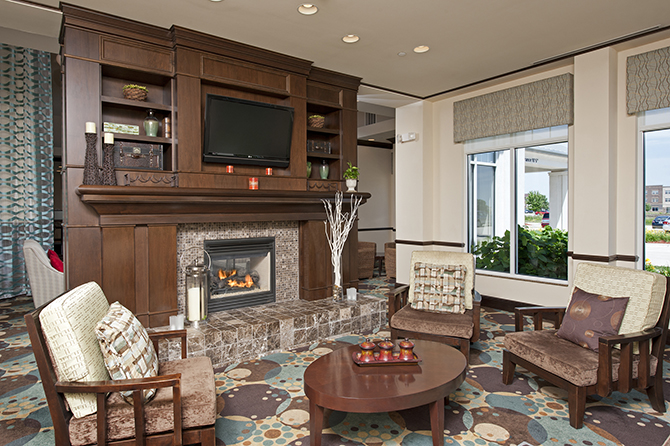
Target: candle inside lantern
x,y
90,127
193,304
109,138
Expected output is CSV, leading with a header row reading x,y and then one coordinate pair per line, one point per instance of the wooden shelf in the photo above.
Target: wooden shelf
x,y
332,156
323,130
134,104
142,138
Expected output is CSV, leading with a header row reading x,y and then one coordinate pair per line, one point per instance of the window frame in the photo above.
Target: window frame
x,y
512,142
659,120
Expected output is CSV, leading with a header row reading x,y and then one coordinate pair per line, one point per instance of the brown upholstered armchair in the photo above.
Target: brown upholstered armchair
x,y
185,388
456,329
582,371
366,259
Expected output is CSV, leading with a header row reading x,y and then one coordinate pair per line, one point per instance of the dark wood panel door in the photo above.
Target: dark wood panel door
x,y
83,247
316,271
118,263
162,266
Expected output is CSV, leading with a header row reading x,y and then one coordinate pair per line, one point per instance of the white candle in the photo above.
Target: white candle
x,y
90,127
109,138
193,302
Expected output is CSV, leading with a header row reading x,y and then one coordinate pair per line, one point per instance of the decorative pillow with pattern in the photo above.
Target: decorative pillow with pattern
x,y
68,324
590,316
126,347
439,288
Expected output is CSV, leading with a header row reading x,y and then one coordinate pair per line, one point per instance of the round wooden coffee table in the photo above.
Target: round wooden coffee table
x,y
335,382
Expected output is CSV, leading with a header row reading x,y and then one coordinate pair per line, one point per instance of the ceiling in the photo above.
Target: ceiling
x,y
469,40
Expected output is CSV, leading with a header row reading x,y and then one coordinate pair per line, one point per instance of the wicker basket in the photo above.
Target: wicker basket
x,y
135,94
316,121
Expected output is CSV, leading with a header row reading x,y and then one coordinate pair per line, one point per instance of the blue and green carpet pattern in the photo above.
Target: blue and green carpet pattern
x,y
262,402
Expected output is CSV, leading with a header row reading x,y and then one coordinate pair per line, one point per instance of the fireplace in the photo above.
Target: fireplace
x,y
242,273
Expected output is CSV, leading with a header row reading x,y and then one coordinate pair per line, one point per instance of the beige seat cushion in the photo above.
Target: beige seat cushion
x,y
646,291
447,258
442,324
198,398
68,324
566,359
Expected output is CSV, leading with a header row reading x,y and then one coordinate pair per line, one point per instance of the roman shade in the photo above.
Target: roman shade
x,y
545,103
648,81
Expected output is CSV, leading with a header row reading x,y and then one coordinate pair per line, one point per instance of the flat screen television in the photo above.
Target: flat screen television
x,y
238,131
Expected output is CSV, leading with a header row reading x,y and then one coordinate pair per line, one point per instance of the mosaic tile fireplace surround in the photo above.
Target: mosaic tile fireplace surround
x,y
235,335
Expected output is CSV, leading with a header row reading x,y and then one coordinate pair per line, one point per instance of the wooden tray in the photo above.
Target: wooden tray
x,y
394,361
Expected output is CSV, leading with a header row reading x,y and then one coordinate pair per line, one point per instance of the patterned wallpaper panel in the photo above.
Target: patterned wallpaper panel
x,y
26,161
648,81
545,103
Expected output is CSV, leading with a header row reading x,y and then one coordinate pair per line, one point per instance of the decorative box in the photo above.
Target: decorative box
x,y
111,127
132,155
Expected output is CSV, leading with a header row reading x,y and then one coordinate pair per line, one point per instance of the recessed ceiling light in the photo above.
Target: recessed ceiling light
x,y
307,9
350,38
421,49
216,1
402,53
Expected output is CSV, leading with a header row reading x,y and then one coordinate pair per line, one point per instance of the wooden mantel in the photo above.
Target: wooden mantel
x,y
160,205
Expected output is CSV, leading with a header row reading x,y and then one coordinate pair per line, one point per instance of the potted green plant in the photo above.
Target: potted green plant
x,y
351,177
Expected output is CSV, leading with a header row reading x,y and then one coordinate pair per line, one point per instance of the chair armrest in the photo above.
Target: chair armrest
x,y
119,385
159,335
605,360
397,298
137,386
538,314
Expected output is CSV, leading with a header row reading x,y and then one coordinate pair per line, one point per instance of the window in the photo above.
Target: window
x,y
654,127
518,197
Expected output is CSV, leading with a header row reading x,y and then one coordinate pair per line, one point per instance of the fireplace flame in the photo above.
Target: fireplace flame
x,y
223,274
247,283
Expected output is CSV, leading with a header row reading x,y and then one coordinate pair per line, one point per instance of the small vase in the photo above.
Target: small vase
x,y
324,168
309,169
351,185
151,124
338,288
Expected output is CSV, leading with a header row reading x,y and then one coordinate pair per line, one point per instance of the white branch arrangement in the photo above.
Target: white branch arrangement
x,y
338,226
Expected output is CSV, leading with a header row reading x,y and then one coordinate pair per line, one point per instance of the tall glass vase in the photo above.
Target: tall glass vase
x,y
338,282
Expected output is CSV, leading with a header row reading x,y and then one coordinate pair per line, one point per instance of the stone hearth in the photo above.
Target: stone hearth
x,y
238,335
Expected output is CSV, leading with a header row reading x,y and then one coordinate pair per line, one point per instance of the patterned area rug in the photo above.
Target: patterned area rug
x,y
262,402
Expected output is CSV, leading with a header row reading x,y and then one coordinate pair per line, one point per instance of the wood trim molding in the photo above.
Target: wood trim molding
x,y
145,205
431,242
377,144
604,259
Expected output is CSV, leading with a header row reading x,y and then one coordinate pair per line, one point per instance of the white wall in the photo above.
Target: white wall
x,y
603,178
377,177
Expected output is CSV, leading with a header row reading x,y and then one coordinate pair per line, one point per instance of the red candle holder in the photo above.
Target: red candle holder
x,y
229,169
253,183
268,171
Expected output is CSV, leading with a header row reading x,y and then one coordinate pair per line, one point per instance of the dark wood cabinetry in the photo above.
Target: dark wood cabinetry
x,y
124,236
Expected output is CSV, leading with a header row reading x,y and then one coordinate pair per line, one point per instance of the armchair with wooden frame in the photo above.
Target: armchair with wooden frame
x,y
582,371
455,329
183,411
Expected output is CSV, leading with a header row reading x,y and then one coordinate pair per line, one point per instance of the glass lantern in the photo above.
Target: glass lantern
x,y
197,293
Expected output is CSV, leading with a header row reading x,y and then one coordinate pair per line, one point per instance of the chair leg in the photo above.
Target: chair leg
x,y
465,349
577,406
394,334
508,368
656,398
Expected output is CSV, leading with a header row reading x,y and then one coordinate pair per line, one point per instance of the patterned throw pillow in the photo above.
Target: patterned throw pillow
x,y
590,316
126,347
68,324
439,288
